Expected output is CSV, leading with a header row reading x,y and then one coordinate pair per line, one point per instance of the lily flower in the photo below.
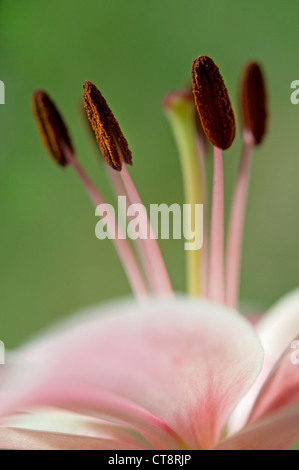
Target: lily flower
x,y
162,371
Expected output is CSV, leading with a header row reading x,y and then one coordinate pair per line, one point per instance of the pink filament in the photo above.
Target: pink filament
x,y
122,246
120,190
155,265
236,226
216,274
205,255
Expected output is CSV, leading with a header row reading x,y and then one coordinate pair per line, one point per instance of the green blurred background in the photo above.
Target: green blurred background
x,y
135,51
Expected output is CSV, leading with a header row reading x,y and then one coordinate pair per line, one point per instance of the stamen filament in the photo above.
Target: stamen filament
x,y
120,190
122,246
216,274
158,273
204,268
236,223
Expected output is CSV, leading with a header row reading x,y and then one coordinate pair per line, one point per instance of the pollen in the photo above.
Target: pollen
x,y
51,127
254,101
110,138
213,103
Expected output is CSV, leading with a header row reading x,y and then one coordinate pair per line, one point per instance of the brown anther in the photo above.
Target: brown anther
x,y
254,101
201,136
110,138
51,127
213,103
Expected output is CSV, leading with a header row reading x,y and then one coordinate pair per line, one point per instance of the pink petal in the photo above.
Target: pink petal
x,y
180,365
276,330
25,439
88,400
50,420
281,389
279,432
279,326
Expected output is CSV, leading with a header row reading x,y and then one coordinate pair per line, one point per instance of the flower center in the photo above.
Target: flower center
x,y
206,115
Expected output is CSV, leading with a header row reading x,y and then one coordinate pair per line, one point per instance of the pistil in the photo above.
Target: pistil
x,y
180,110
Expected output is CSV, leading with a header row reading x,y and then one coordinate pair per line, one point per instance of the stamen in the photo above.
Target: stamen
x,y
236,226
106,128
217,118
156,269
181,112
57,142
202,141
254,101
254,115
116,151
201,148
216,274
51,126
213,103
122,246
120,190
